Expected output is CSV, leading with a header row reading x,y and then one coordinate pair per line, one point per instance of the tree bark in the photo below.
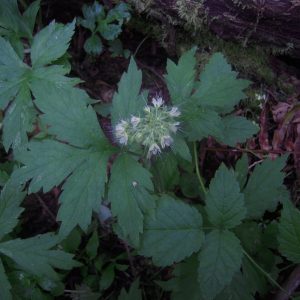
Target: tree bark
x,y
274,24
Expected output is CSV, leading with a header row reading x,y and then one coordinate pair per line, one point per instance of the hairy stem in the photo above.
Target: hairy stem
x,y
198,171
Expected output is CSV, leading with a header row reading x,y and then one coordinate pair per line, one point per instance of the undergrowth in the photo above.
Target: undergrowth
x,y
224,238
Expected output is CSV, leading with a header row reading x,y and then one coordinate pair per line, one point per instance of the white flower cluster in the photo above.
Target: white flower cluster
x,y
153,130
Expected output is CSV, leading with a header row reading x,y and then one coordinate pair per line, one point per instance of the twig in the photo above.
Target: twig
x,y
46,208
254,151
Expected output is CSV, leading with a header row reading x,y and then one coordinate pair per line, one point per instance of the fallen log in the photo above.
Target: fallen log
x,y
273,24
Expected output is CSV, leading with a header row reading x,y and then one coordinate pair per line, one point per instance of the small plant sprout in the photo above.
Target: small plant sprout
x,y
153,130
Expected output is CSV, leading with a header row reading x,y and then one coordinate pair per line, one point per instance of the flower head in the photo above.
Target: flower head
x,y
153,150
120,132
174,112
166,141
157,102
153,130
135,121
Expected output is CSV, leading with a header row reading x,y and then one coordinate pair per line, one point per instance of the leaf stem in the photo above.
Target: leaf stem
x,y
266,274
198,171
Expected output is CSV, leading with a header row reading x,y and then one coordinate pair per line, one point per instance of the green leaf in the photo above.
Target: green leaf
x,y
181,148
201,123
51,168
219,87
185,284
3,177
109,31
18,120
126,101
93,45
8,56
47,80
241,171
237,290
69,118
10,201
224,202
289,232
180,78
91,13
51,43
11,19
31,13
82,192
34,255
92,245
128,193
173,233
165,172
219,260
12,71
262,190
250,234
5,285
134,292
237,130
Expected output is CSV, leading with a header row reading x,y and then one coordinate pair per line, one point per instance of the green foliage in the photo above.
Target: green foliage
x,y
224,202
127,102
217,239
219,260
108,25
289,232
219,87
87,164
263,188
33,255
174,223
129,195
17,80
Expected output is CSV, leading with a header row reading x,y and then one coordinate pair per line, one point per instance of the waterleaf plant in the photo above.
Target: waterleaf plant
x,y
203,239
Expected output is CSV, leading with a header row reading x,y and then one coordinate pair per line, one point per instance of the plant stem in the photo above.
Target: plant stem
x,y
198,171
266,274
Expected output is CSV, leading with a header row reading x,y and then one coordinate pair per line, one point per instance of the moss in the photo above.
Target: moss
x,y
253,61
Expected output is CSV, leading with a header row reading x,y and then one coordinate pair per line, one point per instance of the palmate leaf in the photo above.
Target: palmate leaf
x,y
10,200
16,78
236,130
14,23
224,202
12,71
51,43
173,233
180,78
127,101
128,193
35,256
201,122
263,188
219,87
289,232
18,119
219,260
76,123
185,284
